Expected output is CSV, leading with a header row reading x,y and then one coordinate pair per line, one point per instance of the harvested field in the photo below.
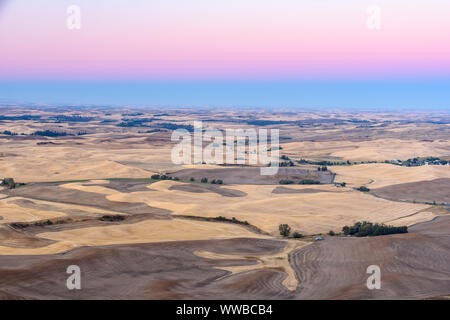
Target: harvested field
x,y
253,175
434,191
79,222
373,150
413,266
278,261
200,188
67,195
66,209
126,185
146,231
17,209
282,190
145,271
378,175
14,239
307,213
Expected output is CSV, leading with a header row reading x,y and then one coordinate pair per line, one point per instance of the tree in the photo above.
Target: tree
x,y
346,230
286,181
204,180
285,230
297,235
9,183
308,181
331,233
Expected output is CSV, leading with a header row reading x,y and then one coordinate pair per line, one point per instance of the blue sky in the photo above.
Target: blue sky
x,y
396,94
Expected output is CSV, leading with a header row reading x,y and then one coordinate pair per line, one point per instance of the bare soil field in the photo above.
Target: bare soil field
x,y
434,191
413,266
142,271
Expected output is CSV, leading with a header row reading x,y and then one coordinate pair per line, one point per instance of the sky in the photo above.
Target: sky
x,y
297,53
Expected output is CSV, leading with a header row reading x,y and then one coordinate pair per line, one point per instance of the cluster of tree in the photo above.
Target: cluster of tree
x,y
308,181
9,133
265,122
287,181
72,118
136,114
340,184
174,126
9,183
135,122
333,163
415,162
205,180
363,189
142,123
112,218
232,220
365,229
50,133
304,181
285,231
325,162
41,223
297,235
287,164
164,177
23,117
46,133
322,168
